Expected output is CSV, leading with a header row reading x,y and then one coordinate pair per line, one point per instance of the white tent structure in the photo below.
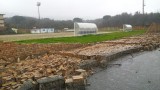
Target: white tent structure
x,y
127,27
85,28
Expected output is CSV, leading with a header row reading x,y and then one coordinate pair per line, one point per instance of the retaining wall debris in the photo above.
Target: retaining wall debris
x,y
47,83
65,63
29,85
51,83
88,64
77,82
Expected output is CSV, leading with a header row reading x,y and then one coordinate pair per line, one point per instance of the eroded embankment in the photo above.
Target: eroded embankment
x,y
20,62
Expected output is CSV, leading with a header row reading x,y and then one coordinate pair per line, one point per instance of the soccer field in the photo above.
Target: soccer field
x,y
7,38
18,37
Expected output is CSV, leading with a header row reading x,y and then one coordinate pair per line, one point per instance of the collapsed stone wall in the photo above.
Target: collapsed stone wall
x,y
46,83
56,82
59,83
88,60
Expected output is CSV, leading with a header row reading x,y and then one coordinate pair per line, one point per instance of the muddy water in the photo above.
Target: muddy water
x,y
137,72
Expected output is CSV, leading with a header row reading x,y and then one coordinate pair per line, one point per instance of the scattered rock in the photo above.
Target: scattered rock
x,y
18,60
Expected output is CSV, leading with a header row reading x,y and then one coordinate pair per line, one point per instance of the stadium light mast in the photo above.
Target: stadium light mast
x,y
38,5
143,5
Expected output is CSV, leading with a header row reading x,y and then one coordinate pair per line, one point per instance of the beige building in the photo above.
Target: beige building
x,y
1,20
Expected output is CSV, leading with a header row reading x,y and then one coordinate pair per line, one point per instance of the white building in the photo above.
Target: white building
x,y
85,28
43,30
127,27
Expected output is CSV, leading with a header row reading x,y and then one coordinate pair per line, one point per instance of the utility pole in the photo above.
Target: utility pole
x,y
38,5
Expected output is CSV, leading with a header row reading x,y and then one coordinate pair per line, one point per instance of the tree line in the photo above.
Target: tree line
x,y
137,19
22,22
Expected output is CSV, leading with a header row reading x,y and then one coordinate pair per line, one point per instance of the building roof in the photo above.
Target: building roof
x,y
86,25
127,25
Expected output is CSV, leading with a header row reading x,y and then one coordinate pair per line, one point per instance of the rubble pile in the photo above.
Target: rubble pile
x,y
143,40
103,49
17,73
109,47
20,62
12,52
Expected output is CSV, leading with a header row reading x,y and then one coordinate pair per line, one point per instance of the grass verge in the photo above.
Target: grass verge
x,y
86,38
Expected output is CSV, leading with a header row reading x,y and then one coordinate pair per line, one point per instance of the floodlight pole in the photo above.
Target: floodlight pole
x,y
38,5
38,13
143,5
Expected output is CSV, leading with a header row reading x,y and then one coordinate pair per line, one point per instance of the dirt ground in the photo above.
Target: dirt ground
x,y
20,62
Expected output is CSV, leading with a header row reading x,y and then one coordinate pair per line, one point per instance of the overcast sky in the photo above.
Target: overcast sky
x,y
68,9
